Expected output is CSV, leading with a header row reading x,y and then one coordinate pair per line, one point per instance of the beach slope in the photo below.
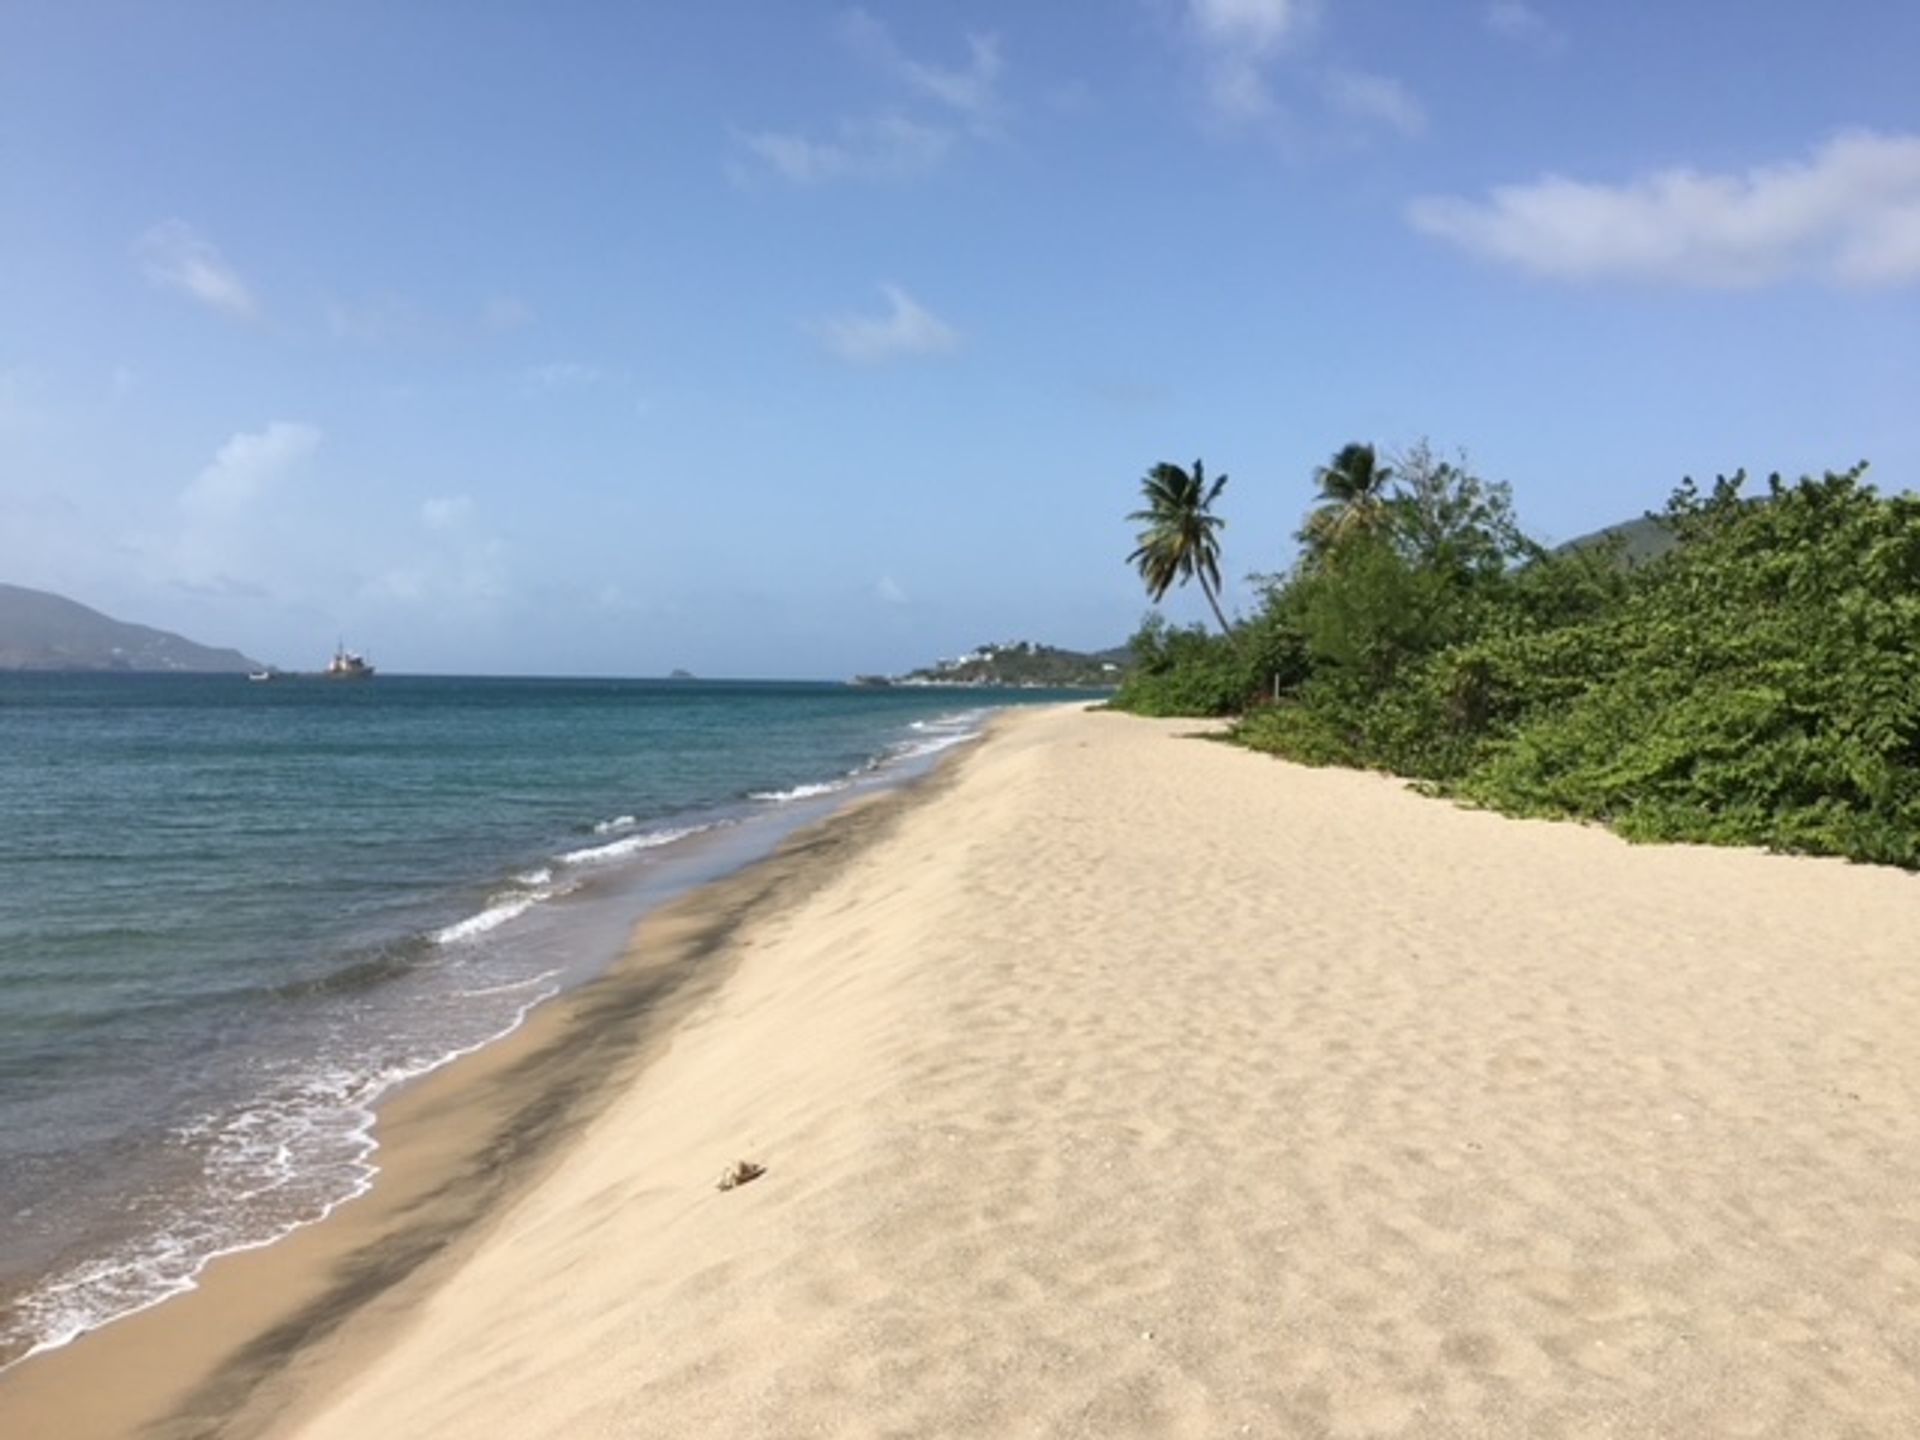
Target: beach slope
x,y
1136,1085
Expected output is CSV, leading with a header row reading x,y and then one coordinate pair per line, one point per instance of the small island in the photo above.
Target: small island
x,y
1019,665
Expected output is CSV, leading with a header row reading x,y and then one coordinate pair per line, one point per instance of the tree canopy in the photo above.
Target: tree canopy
x,y
1352,498
1180,540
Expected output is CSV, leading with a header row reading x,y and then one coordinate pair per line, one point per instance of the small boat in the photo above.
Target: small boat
x,y
347,665
259,676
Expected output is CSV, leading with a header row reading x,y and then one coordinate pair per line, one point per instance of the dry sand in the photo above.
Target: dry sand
x,y
1129,1084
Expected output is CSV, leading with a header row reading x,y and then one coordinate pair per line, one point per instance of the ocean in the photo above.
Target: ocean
x,y
234,915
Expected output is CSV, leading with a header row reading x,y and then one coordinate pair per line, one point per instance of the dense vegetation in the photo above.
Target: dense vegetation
x,y
1756,683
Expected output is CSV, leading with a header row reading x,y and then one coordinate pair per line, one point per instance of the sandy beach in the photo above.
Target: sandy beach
x,y
1118,1082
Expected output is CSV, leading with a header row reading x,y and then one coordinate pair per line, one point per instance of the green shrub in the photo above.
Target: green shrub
x,y
1757,684
1298,732
1181,672
1195,672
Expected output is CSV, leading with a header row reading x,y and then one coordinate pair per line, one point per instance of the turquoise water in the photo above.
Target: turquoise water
x,y
233,914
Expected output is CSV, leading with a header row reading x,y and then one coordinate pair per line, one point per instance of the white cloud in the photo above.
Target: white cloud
x,y
1886,251
1850,214
1237,40
1256,25
971,89
234,535
888,592
174,255
891,145
1376,99
455,567
246,466
1518,21
905,331
461,572
881,147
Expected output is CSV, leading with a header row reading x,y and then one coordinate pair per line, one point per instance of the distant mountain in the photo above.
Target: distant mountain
x,y
1647,538
40,631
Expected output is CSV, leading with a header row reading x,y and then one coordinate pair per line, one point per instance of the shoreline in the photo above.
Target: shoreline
x,y
454,1147
1112,1084
196,1035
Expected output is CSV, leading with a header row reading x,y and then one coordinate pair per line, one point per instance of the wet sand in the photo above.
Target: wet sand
x,y
229,1357
1122,1083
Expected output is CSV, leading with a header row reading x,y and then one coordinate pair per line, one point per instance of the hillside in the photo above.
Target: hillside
x,y
1026,665
42,631
1647,538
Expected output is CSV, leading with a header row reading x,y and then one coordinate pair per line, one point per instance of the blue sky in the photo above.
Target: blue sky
x,y
798,340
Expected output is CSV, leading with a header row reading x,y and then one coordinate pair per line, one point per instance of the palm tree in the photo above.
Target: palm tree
x,y
1179,542
1353,497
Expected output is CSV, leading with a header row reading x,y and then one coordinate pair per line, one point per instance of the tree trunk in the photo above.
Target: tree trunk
x,y
1225,629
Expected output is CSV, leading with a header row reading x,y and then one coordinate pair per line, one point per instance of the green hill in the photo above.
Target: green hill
x,y
1647,538
42,631
1024,665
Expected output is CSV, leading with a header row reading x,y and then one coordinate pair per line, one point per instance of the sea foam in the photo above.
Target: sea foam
x,y
628,845
498,913
799,792
311,1143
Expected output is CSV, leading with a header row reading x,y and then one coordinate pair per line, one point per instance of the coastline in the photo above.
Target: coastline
x,y
196,1036
1110,1083
455,1146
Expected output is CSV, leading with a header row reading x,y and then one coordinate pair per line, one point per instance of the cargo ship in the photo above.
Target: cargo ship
x,y
346,665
